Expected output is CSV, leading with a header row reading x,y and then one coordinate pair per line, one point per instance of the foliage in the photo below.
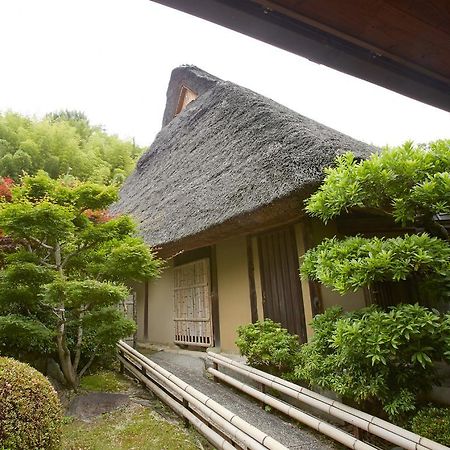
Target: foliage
x,y
61,285
5,188
19,334
30,409
356,261
103,381
268,346
63,143
376,358
433,423
409,185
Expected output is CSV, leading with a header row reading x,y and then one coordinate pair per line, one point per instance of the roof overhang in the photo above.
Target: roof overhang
x,y
281,212
401,45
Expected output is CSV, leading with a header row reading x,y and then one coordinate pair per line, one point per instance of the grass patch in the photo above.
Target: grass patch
x,y
104,381
133,427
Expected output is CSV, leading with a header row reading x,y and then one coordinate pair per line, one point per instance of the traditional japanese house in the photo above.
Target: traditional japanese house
x,y
220,195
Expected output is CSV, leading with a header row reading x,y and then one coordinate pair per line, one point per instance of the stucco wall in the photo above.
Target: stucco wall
x,y
349,301
233,290
139,291
160,308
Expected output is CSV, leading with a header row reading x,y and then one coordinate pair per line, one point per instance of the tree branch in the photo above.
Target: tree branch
x,y
88,364
40,243
372,211
79,249
46,264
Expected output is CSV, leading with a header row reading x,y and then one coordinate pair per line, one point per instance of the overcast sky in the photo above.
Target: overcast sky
x,y
112,59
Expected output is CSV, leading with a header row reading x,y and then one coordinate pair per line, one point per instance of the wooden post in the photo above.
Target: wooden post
x,y
262,388
122,367
214,297
216,366
146,290
144,372
251,280
186,405
314,287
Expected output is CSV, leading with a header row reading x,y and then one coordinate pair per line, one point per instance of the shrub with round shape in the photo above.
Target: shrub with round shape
x,y
30,411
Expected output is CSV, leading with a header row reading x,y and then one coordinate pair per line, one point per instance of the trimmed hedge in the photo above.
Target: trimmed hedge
x,y
30,412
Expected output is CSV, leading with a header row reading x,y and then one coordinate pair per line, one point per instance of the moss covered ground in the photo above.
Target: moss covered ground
x,y
104,381
132,427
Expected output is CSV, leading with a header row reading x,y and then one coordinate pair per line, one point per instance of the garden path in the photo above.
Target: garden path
x,y
190,367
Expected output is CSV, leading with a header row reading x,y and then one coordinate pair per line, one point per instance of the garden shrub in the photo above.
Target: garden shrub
x,y
382,361
433,423
20,335
268,346
30,411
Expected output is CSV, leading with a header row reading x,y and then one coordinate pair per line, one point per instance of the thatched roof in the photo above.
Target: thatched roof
x,y
230,155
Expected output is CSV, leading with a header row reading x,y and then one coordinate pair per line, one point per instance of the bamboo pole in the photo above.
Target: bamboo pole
x,y
236,434
318,425
213,437
374,425
251,436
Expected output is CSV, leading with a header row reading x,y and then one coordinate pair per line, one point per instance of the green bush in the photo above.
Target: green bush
x,y
30,413
348,264
383,361
268,347
433,423
20,335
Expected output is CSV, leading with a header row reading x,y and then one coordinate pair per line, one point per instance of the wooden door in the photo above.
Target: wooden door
x,y
192,304
280,280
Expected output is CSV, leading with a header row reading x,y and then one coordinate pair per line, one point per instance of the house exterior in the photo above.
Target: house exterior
x,y
219,195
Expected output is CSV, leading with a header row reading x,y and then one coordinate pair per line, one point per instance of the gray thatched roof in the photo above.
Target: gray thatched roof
x,y
230,153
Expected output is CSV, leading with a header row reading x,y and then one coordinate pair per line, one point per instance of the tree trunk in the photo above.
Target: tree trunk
x,y
65,359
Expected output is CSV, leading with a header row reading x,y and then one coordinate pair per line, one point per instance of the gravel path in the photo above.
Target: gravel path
x,y
190,367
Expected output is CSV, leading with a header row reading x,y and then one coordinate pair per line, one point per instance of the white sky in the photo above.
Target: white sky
x,y
112,59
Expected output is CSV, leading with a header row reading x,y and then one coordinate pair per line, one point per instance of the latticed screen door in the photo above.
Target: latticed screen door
x,y
192,304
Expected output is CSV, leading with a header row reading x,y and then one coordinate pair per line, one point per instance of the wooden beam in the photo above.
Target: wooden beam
x,y
315,292
322,46
251,280
214,297
377,50
146,291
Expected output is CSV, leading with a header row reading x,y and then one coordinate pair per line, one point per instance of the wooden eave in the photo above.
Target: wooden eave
x,y
402,45
284,211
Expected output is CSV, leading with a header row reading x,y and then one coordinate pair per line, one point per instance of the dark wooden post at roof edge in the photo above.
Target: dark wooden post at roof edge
x,y
146,310
251,280
315,292
214,297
